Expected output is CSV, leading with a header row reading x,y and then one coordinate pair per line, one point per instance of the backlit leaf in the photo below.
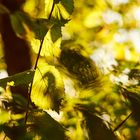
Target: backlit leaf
x,y
62,8
4,116
49,91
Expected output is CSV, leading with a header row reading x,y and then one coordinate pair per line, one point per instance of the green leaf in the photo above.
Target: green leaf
x,y
62,8
39,126
134,99
17,24
20,101
81,67
56,32
39,26
68,5
4,116
42,125
21,21
16,132
22,78
56,1
134,73
49,91
3,9
97,127
56,29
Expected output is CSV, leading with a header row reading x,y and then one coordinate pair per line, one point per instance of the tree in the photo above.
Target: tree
x,y
77,60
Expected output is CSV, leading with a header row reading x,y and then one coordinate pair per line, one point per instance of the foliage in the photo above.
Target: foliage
x,y
85,83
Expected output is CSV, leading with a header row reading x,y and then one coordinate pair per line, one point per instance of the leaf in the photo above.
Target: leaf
x,y
3,9
97,127
68,5
41,124
49,91
134,73
17,24
39,26
56,29
22,78
134,99
62,8
4,116
22,22
16,132
80,66
56,32
56,1
16,104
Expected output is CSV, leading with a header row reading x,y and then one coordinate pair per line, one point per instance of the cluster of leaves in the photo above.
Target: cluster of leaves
x,y
93,106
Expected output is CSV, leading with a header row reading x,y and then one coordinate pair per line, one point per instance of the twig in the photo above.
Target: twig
x,y
30,88
123,122
35,67
51,10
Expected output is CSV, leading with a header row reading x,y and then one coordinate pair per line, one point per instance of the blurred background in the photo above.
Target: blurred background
x,y
109,31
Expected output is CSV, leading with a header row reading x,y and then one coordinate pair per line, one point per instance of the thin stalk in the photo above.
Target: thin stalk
x,y
30,88
51,10
35,67
123,122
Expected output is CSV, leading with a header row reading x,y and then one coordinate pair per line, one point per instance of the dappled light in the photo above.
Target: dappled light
x,y
70,70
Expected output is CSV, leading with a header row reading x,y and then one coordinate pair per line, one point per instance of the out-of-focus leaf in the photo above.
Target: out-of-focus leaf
x,y
17,24
39,26
134,99
22,78
97,127
56,1
16,104
3,9
42,125
4,116
82,67
16,132
49,91
134,73
39,126
21,21
20,100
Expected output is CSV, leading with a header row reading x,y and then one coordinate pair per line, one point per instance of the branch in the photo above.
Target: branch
x,y
123,122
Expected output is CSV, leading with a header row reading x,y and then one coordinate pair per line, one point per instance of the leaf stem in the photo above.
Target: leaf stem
x,y
51,10
30,88
123,122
